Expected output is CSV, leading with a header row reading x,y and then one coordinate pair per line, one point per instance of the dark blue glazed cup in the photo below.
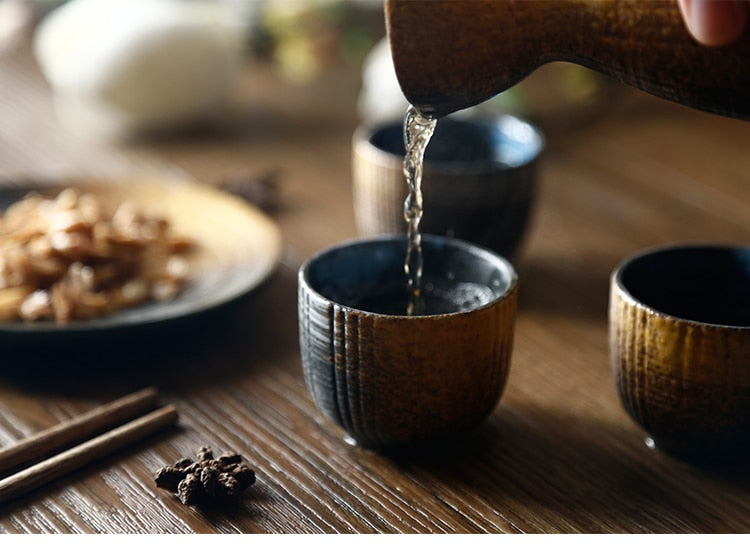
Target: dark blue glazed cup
x,y
479,181
389,379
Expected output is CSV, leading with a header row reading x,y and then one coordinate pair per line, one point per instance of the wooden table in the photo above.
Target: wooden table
x,y
557,455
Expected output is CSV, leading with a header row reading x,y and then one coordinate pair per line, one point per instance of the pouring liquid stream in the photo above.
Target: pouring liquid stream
x,y
418,130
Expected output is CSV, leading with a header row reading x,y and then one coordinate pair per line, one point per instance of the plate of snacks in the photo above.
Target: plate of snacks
x,y
82,256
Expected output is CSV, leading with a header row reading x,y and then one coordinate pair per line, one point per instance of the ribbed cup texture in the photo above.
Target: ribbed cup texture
x,y
686,383
379,191
487,206
391,380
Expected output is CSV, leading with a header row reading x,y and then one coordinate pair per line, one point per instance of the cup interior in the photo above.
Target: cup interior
x,y
501,142
368,275
707,284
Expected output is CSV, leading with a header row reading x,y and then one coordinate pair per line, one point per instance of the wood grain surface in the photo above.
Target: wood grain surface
x,y
557,455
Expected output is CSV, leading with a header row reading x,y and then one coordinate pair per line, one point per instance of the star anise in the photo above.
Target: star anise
x,y
209,477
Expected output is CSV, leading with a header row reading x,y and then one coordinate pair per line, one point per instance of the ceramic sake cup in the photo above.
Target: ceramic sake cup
x,y
390,379
478,184
680,347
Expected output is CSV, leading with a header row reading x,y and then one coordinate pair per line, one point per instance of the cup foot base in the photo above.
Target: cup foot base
x,y
707,456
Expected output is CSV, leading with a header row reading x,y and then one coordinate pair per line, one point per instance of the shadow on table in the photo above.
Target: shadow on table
x,y
176,356
581,477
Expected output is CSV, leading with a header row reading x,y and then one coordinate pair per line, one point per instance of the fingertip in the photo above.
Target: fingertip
x,y
715,22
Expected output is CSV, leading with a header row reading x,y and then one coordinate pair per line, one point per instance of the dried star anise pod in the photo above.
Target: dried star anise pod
x,y
209,477
260,191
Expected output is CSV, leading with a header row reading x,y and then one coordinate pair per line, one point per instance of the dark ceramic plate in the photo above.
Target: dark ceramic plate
x,y
238,248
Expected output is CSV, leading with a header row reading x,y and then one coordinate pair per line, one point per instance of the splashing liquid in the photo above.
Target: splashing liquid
x,y
418,130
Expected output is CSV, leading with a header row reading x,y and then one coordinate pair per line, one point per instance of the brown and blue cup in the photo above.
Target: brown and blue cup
x,y
390,379
680,348
479,181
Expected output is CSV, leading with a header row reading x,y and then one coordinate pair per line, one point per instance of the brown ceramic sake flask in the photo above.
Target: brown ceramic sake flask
x,y
454,54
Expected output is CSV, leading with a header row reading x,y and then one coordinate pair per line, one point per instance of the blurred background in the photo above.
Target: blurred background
x,y
127,67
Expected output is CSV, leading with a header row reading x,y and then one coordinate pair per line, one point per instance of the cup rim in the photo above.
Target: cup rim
x,y
624,264
502,263
362,139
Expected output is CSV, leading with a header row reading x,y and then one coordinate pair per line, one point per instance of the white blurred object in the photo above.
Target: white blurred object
x,y
380,97
119,67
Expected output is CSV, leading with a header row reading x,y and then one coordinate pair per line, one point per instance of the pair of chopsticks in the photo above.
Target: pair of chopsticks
x,y
37,453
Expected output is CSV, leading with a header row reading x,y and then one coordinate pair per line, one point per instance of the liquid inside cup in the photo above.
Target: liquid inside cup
x,y
369,276
438,298
702,284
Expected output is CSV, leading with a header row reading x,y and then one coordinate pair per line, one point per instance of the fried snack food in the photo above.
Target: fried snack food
x,y
72,257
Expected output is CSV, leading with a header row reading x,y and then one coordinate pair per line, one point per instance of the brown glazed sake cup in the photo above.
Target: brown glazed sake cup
x,y
478,184
680,348
390,379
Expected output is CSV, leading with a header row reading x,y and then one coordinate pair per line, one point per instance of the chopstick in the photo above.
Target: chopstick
x,y
44,443
65,462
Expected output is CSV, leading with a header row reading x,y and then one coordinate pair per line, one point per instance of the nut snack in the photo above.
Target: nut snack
x,y
73,257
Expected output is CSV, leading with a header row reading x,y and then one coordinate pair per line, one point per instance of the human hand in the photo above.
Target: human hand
x,y
715,23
